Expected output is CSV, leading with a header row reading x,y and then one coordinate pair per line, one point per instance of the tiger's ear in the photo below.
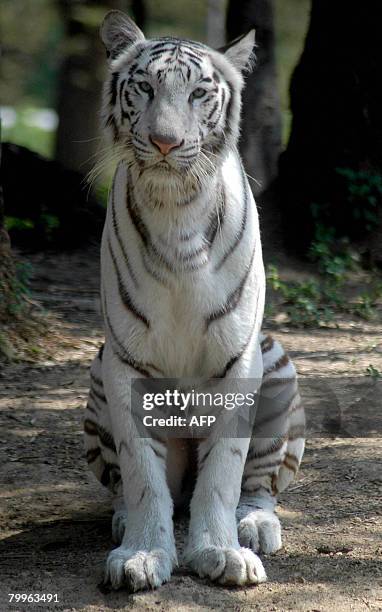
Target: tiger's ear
x,y
118,32
240,51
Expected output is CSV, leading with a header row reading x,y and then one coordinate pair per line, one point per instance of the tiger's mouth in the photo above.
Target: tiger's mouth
x,y
164,167
163,164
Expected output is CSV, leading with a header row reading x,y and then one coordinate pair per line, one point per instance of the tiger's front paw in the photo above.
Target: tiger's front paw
x,y
260,530
138,570
228,566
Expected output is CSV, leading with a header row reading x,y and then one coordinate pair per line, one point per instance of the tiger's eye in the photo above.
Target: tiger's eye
x,y
197,93
146,87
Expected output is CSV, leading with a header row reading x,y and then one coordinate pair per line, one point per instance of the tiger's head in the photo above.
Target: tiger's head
x,y
173,105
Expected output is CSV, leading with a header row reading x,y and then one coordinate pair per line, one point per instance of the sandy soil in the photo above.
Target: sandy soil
x,y
55,519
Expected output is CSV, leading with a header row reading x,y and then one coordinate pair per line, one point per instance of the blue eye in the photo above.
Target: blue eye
x,y
146,87
199,92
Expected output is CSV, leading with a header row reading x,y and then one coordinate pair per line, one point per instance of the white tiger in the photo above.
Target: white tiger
x,y
182,296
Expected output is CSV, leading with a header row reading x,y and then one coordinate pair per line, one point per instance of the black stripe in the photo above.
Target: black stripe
x,y
194,57
98,394
133,69
203,459
142,48
228,113
234,297
92,454
141,149
272,382
159,45
242,225
142,495
216,76
118,235
137,221
260,422
229,365
93,397
169,265
185,257
128,101
106,438
158,453
184,42
280,363
237,451
95,429
223,98
263,466
267,344
213,110
90,427
190,147
111,472
185,157
91,408
216,221
141,142
113,124
122,353
113,88
154,274
275,446
195,63
98,381
162,51
123,292
100,352
121,86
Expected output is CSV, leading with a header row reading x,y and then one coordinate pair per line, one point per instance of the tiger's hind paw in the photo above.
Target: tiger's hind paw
x,y
260,531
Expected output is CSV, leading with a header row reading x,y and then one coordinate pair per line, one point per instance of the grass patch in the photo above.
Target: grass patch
x,y
318,301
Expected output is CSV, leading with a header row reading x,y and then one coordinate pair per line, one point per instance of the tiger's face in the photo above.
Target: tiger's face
x,y
173,103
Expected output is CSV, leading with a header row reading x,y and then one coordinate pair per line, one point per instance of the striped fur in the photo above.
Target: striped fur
x,y
182,296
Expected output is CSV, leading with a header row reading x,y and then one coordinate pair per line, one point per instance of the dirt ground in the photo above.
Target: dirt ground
x,y
55,519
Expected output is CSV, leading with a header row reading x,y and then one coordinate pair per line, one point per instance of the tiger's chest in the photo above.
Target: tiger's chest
x,y
181,342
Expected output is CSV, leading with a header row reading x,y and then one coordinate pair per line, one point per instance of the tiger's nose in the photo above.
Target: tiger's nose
x,y
165,145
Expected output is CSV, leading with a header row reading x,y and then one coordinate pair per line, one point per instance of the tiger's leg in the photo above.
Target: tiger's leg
x,y
275,451
213,548
100,448
146,555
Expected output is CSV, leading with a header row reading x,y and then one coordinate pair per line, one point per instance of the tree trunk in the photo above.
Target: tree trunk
x,y
260,142
7,270
80,80
335,146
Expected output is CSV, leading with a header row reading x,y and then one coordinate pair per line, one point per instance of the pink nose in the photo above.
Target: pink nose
x,y
165,147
